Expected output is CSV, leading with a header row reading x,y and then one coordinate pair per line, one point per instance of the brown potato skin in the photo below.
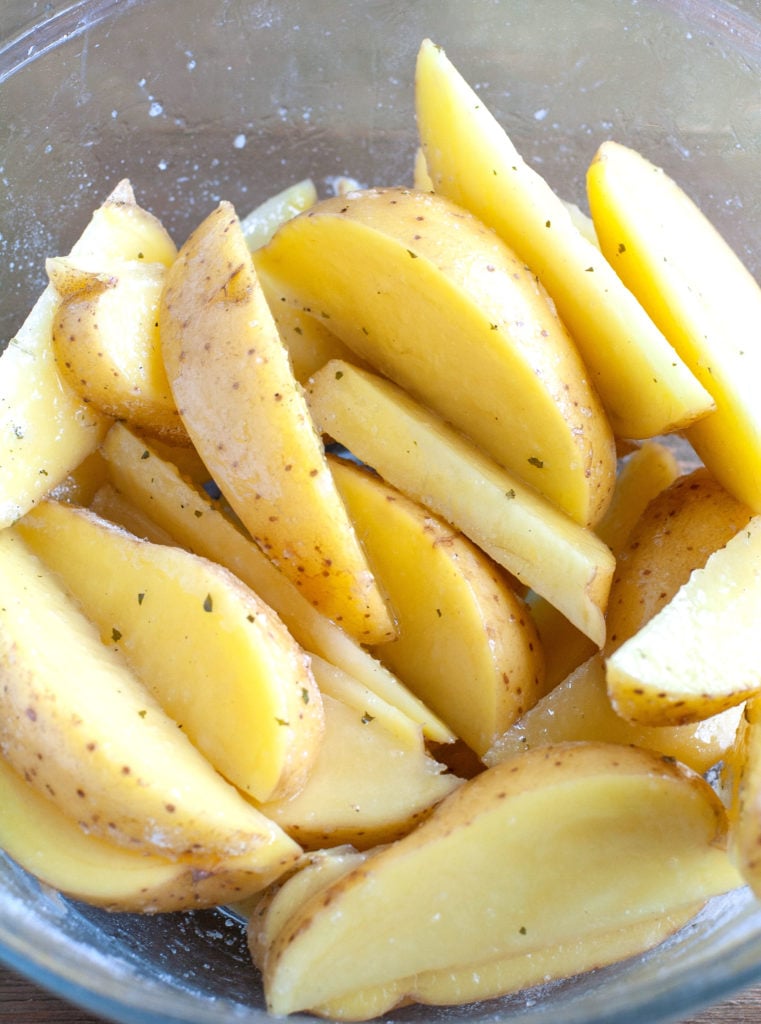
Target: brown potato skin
x,y
680,528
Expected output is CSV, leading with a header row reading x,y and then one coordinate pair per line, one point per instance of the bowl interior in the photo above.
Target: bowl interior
x,y
199,100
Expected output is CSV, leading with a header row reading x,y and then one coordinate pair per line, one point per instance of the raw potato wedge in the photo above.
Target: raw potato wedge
x,y
579,708
46,430
693,659
424,458
679,529
481,879
744,772
644,385
643,474
106,342
448,312
155,486
262,222
698,292
52,847
367,787
309,341
467,644
246,415
215,657
93,739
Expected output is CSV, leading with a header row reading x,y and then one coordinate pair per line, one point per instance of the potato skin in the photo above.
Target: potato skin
x,y
680,528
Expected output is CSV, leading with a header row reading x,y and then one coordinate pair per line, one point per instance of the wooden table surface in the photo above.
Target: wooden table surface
x,y
23,1003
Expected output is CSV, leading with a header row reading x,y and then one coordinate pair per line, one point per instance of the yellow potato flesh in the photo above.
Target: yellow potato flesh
x,y
476,982
679,529
645,386
698,292
262,222
246,415
51,846
107,347
693,658
482,880
424,458
467,645
215,657
95,741
744,771
642,476
579,708
448,312
155,486
367,786
45,427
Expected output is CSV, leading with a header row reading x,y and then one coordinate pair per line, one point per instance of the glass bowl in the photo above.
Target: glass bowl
x,y
198,100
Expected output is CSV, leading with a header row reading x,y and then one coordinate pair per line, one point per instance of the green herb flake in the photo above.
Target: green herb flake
x,y
198,513
534,461
282,721
116,635
411,254
146,454
141,597
522,929
208,604
304,695
511,493
339,374
367,718
142,712
621,247
18,432
439,612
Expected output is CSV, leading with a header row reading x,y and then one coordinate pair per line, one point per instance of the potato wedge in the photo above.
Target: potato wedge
x,y
698,292
106,342
645,387
641,837
579,709
445,310
693,659
46,430
743,771
246,414
642,475
309,341
467,645
215,657
367,787
424,458
80,727
155,487
679,529
261,223
53,848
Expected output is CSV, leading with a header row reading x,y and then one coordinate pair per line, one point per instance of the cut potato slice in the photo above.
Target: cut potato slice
x,y
262,222
679,529
481,879
416,452
106,342
215,657
246,414
643,474
80,727
155,486
743,772
645,387
579,709
467,644
698,292
46,429
693,659
367,787
53,848
450,314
